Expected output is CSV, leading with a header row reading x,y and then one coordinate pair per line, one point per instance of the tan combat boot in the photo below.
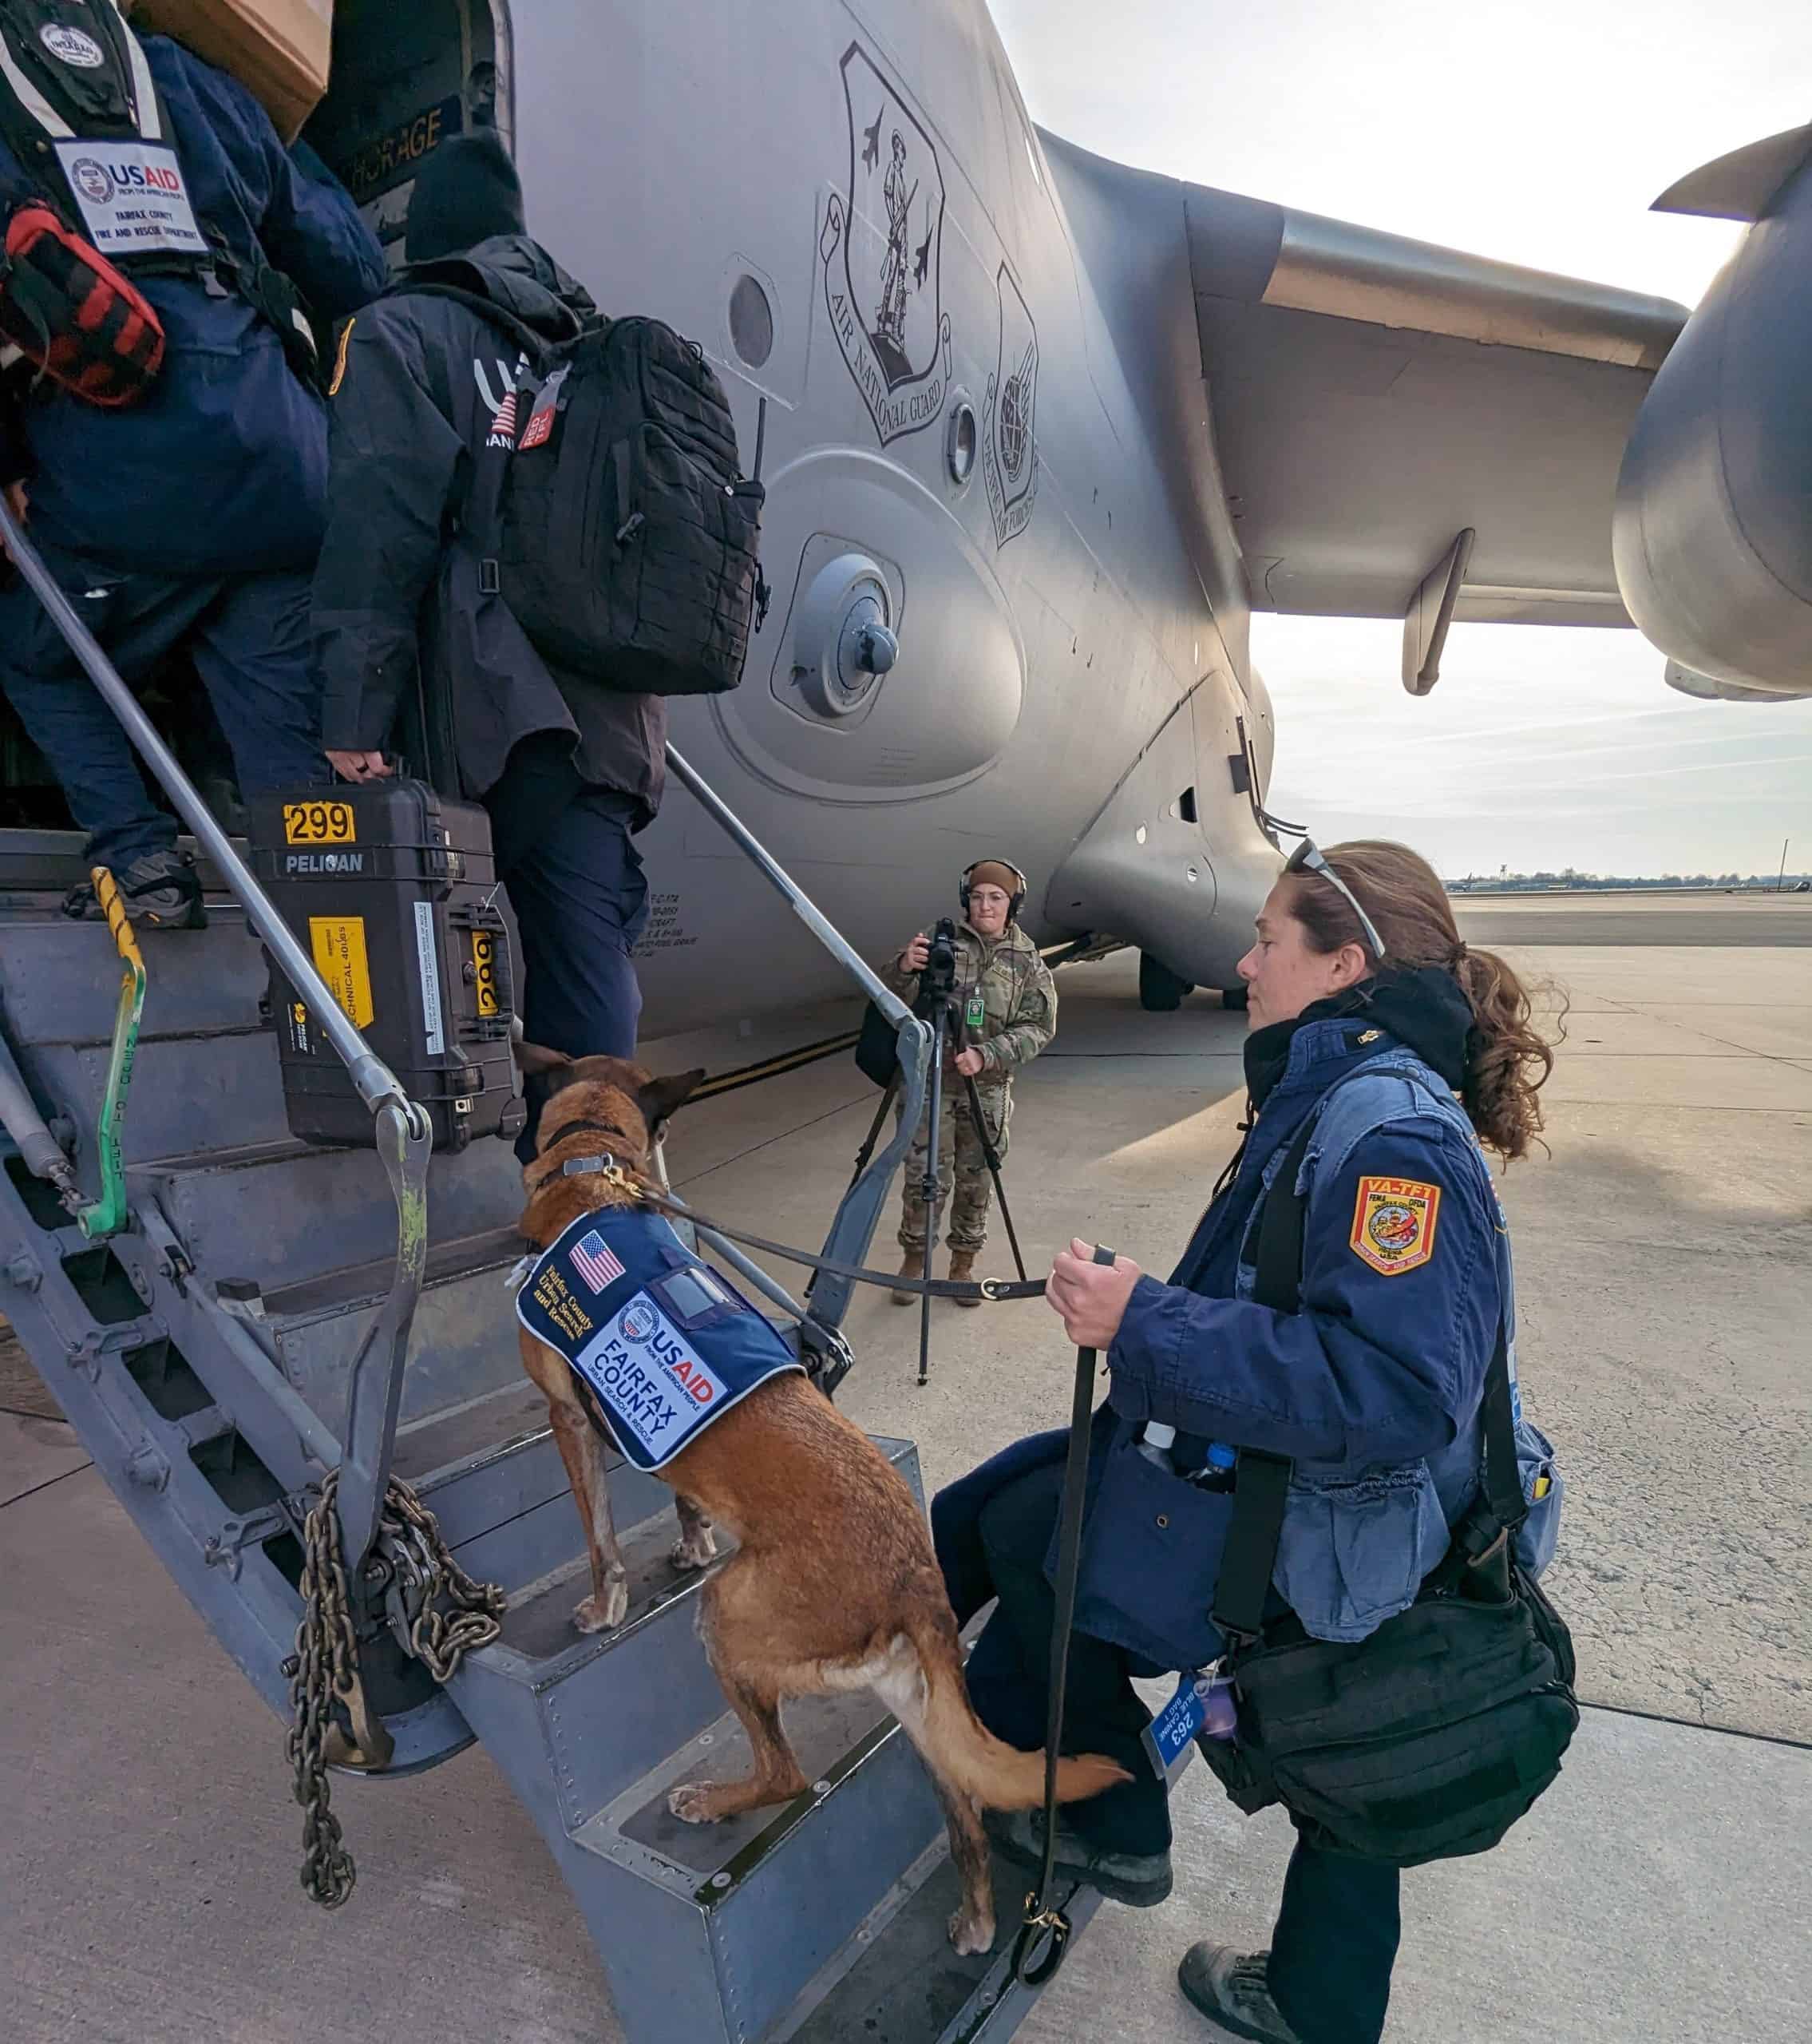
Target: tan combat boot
x,y
913,1264
962,1266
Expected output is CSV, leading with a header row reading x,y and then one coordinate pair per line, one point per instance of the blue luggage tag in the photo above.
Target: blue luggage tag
x,y
1170,1733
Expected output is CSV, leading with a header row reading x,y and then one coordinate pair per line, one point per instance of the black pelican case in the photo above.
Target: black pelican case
x,y
392,891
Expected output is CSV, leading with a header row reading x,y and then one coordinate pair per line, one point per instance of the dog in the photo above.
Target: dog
x,y
833,1586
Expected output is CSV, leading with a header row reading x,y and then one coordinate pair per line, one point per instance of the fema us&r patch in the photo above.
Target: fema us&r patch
x,y
1394,1224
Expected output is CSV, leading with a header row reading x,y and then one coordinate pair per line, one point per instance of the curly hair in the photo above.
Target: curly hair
x,y
1510,1059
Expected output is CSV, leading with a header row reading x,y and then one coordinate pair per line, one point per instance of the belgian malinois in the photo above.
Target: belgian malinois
x,y
833,1586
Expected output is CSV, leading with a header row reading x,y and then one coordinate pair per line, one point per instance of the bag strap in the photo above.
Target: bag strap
x,y
1262,1481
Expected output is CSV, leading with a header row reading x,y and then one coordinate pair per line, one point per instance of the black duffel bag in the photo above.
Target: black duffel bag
x,y
1428,1739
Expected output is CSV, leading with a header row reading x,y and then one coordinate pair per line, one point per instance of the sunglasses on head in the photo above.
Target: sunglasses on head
x,y
1307,858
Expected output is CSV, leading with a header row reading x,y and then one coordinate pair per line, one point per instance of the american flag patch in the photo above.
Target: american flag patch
x,y
594,1262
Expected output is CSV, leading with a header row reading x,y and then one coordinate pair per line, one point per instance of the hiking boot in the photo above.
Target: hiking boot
x,y
161,889
962,1272
1141,1880
1230,1988
914,1263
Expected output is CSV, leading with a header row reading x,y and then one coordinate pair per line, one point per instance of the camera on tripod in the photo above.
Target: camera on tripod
x,y
937,982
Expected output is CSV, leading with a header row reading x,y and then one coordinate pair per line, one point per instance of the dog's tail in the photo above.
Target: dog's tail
x,y
924,1687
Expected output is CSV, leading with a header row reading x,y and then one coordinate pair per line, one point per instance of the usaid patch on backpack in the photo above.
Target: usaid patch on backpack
x,y
664,1344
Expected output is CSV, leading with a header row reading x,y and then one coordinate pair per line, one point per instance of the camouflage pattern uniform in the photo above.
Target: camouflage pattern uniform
x,y
1018,1001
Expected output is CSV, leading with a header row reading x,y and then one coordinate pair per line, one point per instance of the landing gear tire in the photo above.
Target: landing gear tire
x,y
1236,997
1160,991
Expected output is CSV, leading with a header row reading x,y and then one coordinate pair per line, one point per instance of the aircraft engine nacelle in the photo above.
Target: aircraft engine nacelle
x,y
1712,536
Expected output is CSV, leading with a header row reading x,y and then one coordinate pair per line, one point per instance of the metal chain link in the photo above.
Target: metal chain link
x,y
324,1670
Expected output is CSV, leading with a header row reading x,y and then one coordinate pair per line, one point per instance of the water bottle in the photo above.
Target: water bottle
x,y
1216,1473
1155,1445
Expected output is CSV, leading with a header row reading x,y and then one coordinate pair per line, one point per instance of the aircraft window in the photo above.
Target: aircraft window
x,y
959,446
751,321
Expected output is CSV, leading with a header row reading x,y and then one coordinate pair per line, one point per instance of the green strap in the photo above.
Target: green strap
x,y
110,1213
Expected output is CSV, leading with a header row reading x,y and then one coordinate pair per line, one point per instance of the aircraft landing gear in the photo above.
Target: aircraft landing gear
x,y
1160,990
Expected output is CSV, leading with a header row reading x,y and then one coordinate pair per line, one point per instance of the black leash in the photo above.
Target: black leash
x,y
1033,1960
991,1290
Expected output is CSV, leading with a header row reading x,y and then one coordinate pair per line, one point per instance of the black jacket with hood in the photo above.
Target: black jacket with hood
x,y
418,380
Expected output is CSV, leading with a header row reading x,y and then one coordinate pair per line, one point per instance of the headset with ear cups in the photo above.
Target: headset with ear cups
x,y
1016,903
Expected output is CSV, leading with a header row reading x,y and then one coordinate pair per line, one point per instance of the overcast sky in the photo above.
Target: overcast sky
x,y
1538,132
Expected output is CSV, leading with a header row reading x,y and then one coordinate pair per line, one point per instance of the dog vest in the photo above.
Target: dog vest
x,y
663,1345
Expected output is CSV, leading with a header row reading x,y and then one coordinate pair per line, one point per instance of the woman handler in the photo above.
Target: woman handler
x,y
1368,1014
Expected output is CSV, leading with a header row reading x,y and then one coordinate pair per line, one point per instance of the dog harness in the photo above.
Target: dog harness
x,y
663,1345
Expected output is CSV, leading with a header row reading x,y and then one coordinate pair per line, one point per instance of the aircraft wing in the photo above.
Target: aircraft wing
x,y
1375,399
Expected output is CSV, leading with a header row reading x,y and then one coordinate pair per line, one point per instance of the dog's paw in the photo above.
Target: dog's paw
x,y
696,1550
694,1802
972,1934
602,1613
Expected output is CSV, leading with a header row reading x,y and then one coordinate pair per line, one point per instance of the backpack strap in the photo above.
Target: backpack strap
x,y
415,285
1262,1482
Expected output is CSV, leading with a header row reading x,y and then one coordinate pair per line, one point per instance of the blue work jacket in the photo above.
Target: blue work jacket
x,y
1373,1386
221,467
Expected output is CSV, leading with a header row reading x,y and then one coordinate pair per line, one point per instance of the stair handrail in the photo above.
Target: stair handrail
x,y
853,1226
404,1134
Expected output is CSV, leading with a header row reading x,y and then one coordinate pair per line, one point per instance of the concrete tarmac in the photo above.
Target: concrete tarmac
x,y
148,1844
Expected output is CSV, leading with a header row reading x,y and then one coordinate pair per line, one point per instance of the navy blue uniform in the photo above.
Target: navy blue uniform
x,y
194,516
1373,1387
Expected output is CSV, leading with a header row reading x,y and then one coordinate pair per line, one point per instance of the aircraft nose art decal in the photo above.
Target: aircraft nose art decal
x,y
880,249
1010,459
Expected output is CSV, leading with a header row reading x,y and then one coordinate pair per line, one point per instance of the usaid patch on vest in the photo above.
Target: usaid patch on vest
x,y
1394,1223
666,1344
133,196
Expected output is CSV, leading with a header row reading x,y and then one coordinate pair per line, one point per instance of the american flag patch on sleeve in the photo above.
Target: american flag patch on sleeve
x,y
592,1258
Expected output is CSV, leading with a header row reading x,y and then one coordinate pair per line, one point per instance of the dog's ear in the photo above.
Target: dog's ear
x,y
662,1098
539,1064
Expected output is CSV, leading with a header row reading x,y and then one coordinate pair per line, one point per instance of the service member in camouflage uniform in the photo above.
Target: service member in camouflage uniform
x,y
1005,1013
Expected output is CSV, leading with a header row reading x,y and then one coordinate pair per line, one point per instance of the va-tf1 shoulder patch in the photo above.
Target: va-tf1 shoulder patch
x,y
1394,1224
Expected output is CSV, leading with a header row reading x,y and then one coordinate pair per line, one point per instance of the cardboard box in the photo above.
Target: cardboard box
x,y
277,48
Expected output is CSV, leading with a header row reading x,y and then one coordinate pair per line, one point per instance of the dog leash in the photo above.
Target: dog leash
x,y
992,1290
1034,1962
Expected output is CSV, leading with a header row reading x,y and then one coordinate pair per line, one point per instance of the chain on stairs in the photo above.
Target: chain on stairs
x,y
434,1606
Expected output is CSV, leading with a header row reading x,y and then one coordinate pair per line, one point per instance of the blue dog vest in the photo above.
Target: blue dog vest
x,y
665,1344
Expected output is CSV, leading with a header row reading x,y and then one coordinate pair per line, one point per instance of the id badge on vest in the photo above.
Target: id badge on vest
x,y
975,1013
133,198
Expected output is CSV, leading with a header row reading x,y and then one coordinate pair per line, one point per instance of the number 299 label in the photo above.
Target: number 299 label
x,y
319,823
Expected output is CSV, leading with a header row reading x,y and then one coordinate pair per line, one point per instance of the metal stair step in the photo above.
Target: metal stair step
x,y
744,1915
899,1980
188,1093
61,981
464,1346
275,1213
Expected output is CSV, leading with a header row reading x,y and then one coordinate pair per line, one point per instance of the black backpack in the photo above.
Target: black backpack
x,y
1429,1738
614,518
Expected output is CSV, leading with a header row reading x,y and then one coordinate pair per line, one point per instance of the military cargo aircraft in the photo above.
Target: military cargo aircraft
x,y
1042,432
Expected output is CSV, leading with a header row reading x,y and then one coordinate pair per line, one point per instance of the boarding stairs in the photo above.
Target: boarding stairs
x,y
202,1355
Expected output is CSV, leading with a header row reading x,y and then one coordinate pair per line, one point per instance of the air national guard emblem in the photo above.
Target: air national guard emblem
x,y
1394,1224
1010,457
880,249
